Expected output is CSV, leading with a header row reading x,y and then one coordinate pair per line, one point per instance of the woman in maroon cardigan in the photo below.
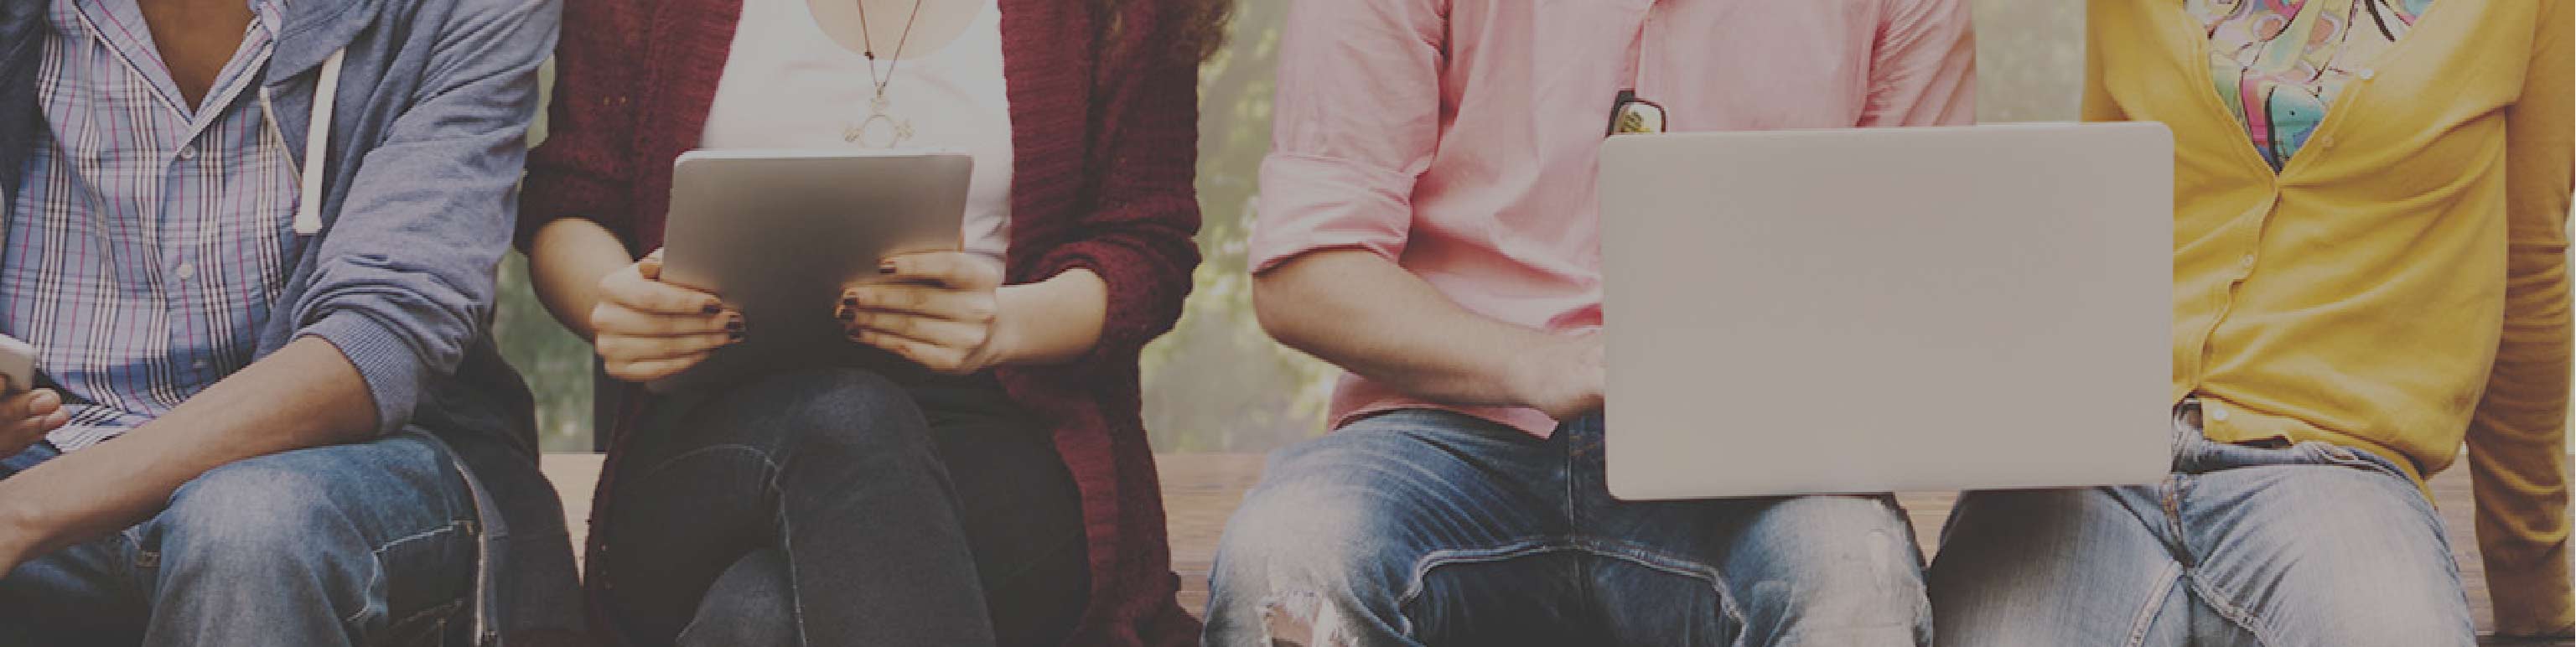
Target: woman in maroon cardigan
x,y
999,492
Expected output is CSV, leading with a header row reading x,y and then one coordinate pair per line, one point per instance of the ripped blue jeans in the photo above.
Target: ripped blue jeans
x,y
1434,528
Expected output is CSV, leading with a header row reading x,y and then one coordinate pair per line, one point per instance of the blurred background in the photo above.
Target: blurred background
x,y
1216,383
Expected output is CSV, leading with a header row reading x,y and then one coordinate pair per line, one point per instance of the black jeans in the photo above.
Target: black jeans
x,y
839,507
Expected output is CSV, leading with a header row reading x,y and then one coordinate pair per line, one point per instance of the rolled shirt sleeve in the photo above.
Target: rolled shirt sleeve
x,y
1924,72
1356,118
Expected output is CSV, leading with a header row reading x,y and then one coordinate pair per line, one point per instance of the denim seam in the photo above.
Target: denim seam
x,y
447,608
378,557
772,471
2251,623
2155,606
675,459
786,531
133,538
1573,511
1533,546
1672,564
1504,551
2177,489
2355,458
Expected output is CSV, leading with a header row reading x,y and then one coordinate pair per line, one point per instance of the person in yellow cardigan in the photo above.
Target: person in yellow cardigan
x,y
2370,268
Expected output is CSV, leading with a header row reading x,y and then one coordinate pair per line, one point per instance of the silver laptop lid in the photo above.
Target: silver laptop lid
x,y
1873,310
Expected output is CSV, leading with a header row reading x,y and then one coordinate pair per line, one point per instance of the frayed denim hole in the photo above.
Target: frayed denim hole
x,y
1302,620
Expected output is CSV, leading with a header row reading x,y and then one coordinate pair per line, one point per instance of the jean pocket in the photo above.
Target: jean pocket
x,y
441,625
425,582
2325,453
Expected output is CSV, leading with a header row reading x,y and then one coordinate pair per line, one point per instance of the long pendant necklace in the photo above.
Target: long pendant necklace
x,y
881,129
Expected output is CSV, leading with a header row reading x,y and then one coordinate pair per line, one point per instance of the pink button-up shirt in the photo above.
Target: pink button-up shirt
x,y
1458,138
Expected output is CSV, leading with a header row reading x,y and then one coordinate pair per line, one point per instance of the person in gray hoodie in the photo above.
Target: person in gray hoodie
x,y
254,243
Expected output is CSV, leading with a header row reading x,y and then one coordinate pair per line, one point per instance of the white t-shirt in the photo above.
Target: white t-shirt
x,y
786,84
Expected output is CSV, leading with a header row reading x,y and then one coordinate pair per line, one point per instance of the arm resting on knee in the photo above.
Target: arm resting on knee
x,y
306,395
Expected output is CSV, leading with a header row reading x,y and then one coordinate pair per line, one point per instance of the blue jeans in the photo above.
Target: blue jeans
x,y
1433,528
2289,546
369,543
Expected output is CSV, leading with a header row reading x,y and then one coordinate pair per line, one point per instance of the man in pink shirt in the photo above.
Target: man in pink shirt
x,y
1428,224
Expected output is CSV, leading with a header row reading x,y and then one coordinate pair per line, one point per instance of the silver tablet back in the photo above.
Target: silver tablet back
x,y
779,234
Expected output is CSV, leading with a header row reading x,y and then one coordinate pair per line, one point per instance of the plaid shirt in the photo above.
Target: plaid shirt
x,y
148,239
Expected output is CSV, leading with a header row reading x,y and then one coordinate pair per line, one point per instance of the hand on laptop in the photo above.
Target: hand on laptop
x,y
1563,378
648,330
26,416
937,309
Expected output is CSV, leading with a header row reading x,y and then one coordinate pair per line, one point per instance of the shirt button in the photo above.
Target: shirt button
x,y
2247,261
187,271
2366,73
2215,411
188,152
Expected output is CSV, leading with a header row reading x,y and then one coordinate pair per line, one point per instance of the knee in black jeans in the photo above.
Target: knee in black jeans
x,y
818,417
750,605
842,478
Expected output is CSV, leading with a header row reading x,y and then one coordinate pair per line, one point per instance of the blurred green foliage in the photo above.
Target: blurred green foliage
x,y
1217,383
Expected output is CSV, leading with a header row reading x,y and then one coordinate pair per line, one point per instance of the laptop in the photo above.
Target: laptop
x,y
1895,309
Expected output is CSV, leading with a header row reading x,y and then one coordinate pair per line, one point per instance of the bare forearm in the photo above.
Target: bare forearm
x,y
1051,321
565,262
1359,311
306,395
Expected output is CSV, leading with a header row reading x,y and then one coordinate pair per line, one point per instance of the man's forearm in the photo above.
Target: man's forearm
x,y
306,395
1359,311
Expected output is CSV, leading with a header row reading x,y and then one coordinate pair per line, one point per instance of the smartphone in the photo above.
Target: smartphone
x,y
17,365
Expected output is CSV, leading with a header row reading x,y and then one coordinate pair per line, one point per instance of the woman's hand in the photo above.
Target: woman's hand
x,y
938,309
647,330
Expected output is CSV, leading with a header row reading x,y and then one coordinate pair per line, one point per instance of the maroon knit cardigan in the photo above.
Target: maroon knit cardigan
x,y
1104,136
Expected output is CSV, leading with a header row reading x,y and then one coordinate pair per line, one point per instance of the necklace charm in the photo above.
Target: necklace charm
x,y
880,119
880,129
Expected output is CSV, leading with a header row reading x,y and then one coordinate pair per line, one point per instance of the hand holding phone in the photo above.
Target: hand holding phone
x,y
17,366
26,413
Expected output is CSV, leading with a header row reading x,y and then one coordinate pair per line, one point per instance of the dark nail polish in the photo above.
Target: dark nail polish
x,y
734,325
885,268
712,307
845,314
735,336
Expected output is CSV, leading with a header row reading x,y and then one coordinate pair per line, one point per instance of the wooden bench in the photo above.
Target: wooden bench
x,y
1201,490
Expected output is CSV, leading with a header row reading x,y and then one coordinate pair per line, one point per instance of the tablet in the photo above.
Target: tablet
x,y
779,234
